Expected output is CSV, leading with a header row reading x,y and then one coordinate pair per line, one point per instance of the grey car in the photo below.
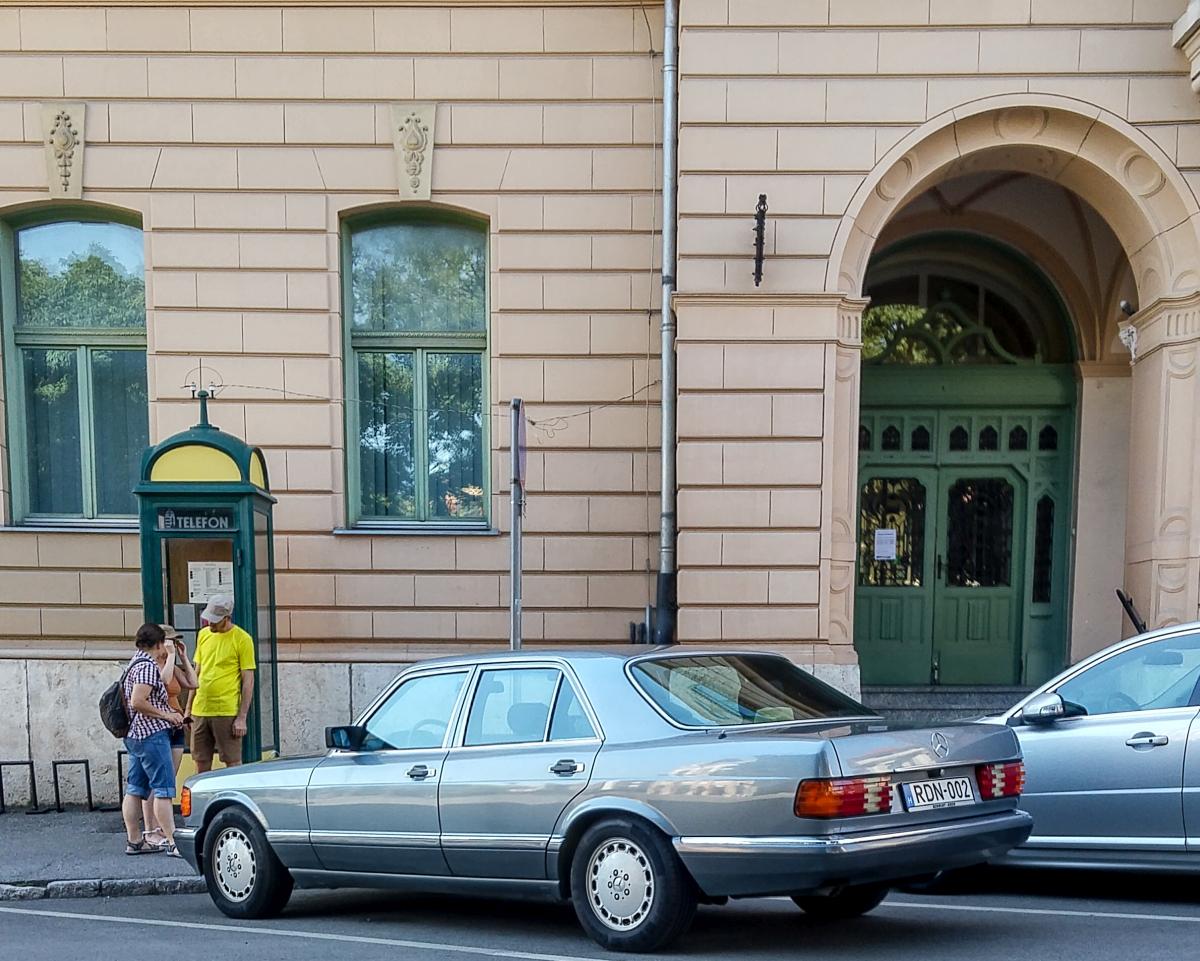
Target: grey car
x,y
1112,755
635,785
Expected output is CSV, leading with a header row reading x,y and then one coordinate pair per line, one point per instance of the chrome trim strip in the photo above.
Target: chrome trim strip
x,y
1079,842
515,842
848,843
392,839
285,837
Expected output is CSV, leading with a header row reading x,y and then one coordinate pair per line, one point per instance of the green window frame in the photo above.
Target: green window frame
x,y
407,339
108,446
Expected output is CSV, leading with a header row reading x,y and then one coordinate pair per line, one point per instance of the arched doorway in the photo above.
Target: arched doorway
x,y
966,444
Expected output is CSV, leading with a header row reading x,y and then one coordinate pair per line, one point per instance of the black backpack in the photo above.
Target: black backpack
x,y
114,712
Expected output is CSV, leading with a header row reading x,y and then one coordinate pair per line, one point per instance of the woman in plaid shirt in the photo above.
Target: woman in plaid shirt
x,y
151,772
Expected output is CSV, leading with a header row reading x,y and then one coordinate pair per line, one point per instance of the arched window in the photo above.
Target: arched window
x,y
950,299
416,309
75,362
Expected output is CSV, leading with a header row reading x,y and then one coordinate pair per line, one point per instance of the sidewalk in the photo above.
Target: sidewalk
x,y
81,854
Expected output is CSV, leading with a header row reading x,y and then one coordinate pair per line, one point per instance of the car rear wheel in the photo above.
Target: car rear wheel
x,y
848,902
245,879
630,891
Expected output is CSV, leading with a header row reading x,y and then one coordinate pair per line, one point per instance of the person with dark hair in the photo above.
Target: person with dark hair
x,y
151,773
182,677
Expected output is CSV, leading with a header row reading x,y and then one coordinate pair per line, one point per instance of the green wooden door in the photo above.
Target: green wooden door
x,y
977,501
977,576
894,603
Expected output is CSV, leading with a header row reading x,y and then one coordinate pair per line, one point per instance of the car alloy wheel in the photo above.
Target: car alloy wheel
x,y
620,884
234,864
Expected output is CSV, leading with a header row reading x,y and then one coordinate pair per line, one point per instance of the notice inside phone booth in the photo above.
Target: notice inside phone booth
x,y
204,508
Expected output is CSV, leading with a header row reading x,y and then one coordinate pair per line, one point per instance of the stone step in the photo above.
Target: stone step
x,y
928,704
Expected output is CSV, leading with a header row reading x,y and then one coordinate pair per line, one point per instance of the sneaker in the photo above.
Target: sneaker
x,y
142,847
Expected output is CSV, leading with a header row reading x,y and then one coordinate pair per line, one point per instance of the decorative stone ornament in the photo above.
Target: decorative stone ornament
x,y
412,134
63,135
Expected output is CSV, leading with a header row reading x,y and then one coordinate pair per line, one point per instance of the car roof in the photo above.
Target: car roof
x,y
576,654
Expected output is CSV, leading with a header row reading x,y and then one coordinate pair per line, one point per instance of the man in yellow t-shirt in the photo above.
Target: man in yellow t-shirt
x,y
225,668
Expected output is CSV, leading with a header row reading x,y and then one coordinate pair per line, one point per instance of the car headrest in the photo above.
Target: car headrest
x,y
527,720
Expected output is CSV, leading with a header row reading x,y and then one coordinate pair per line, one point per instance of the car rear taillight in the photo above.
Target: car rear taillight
x,y
185,802
843,797
1000,780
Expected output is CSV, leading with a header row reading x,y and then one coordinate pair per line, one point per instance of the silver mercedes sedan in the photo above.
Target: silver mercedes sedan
x,y
635,785
1112,750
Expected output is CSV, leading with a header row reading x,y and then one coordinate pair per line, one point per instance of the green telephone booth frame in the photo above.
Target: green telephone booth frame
x,y
220,484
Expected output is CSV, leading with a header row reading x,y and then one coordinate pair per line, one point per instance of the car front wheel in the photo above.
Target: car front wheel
x,y
245,878
630,891
848,902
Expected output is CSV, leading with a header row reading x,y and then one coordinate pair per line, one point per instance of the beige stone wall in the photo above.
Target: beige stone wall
x,y
842,111
241,135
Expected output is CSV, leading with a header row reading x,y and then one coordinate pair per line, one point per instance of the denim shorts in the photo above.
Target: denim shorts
x,y
151,769
178,738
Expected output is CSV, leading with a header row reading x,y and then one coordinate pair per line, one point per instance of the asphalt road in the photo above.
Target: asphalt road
x,y
1001,916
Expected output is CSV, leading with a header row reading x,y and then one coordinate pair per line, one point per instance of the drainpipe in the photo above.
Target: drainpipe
x,y
664,621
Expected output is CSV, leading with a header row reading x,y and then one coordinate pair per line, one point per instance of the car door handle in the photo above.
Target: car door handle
x,y
419,772
566,768
1147,740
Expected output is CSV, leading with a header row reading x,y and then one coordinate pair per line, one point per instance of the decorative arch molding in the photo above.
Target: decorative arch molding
x,y
1120,171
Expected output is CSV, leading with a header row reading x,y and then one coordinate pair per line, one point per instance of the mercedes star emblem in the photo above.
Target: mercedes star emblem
x,y
941,747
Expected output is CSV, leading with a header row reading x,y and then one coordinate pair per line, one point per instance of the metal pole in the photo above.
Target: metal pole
x,y
516,489
664,626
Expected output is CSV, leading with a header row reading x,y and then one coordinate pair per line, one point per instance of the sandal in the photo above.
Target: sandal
x,y
154,838
171,850
141,847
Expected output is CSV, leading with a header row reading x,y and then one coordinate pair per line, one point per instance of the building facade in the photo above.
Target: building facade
x,y
923,451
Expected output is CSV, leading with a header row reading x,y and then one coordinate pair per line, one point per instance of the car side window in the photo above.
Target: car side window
x,y
1154,676
570,721
511,706
417,714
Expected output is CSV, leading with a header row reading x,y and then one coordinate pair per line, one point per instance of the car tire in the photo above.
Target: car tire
x,y
849,902
656,901
245,878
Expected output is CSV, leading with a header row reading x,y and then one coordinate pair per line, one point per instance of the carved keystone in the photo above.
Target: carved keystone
x,y
63,135
412,134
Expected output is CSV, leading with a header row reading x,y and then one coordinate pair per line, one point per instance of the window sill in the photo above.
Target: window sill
x,y
430,531
82,527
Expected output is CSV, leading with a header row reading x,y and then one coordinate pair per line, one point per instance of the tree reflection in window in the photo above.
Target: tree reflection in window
x,y
920,438
864,437
1018,439
891,438
1048,438
960,439
897,504
989,439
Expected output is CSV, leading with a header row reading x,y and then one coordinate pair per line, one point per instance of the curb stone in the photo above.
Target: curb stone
x,y
103,887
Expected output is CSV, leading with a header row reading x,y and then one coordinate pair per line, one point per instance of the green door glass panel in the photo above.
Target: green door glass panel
x,y
893,603
976,600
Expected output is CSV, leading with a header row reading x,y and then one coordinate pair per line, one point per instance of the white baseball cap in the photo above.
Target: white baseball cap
x,y
220,606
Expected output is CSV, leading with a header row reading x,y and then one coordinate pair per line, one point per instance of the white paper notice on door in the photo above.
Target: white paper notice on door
x,y
885,544
206,579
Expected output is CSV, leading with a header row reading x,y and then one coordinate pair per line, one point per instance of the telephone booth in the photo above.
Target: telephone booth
x,y
204,509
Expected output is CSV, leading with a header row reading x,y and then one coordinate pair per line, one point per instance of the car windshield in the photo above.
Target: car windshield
x,y
725,690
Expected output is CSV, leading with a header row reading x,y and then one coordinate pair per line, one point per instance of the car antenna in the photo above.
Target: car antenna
x,y
1131,611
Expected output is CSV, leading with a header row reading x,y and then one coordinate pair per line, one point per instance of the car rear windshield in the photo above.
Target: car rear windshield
x,y
726,690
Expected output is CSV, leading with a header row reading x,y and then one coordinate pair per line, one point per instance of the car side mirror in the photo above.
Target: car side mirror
x,y
1043,709
348,737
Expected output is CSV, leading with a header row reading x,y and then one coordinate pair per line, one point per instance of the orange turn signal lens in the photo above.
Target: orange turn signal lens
x,y
185,803
843,797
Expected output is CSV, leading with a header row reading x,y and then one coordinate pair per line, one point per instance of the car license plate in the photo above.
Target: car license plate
x,y
945,792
